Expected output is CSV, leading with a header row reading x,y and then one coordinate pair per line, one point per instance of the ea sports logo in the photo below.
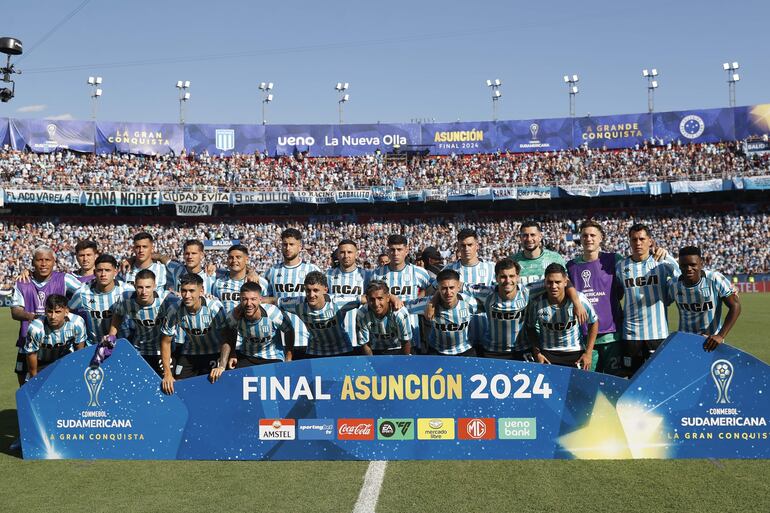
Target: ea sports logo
x,y
476,428
387,429
692,126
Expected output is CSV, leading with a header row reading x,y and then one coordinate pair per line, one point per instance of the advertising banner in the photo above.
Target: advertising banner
x,y
752,120
532,135
121,198
711,405
338,140
224,139
139,138
172,197
48,135
460,138
694,126
43,196
623,131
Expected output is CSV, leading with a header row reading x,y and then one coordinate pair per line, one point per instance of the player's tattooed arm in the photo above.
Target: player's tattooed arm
x,y
289,345
20,314
165,355
224,355
162,258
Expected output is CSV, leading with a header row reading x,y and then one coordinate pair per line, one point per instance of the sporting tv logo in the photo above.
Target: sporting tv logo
x,y
277,429
355,429
315,429
476,429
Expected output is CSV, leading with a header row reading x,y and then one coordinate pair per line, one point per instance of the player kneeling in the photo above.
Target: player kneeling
x,y
54,335
385,329
260,327
554,325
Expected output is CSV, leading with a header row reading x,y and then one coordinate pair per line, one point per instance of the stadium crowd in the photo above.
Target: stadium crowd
x,y
260,172
734,242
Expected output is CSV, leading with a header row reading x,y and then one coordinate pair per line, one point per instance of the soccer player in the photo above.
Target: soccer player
x,y
534,258
227,287
86,252
699,294
324,316
146,307
260,327
347,278
385,329
143,249
553,323
406,281
29,298
198,324
94,300
54,335
287,279
192,255
645,283
593,274
449,334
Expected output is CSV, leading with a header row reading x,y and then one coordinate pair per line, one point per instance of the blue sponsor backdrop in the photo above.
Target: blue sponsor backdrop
x,y
4,131
684,403
616,131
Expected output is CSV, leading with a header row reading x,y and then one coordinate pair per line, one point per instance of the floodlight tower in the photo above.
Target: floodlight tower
x,y
494,85
184,97
341,87
96,93
732,77
267,97
652,84
571,81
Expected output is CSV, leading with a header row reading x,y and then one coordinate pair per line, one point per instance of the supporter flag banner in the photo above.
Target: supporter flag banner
x,y
530,193
224,139
752,121
121,198
194,209
139,138
316,198
504,193
532,135
460,138
683,403
173,197
259,197
756,182
43,196
580,190
48,135
623,131
713,185
694,126
359,196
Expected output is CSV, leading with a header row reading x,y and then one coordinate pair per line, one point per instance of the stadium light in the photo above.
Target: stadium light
x,y
571,81
265,87
652,84
184,96
341,87
732,78
496,95
96,92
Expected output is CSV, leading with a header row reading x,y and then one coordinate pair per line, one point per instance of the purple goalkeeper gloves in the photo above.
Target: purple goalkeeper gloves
x,y
103,350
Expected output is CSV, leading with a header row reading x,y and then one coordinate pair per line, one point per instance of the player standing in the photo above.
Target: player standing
x,y
533,257
192,256
143,249
699,294
86,252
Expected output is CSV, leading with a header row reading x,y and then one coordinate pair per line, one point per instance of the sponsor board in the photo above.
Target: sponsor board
x,y
436,429
315,429
395,429
277,429
517,428
476,429
355,429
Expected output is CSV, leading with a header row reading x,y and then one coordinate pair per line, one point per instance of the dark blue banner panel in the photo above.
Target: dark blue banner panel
x,y
684,403
612,132
139,138
694,126
338,140
47,135
752,121
224,139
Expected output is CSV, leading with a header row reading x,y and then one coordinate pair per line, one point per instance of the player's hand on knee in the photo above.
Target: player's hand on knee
x,y
215,373
168,384
712,342
585,361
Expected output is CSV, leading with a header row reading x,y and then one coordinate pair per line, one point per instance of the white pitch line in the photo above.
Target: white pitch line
x,y
370,491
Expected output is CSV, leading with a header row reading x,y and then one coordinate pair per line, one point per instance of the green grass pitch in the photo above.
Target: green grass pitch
x,y
456,486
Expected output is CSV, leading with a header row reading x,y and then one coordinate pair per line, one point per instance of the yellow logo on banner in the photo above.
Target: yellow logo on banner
x,y
435,429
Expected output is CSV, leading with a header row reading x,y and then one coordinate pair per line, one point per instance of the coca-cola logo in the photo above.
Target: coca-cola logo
x,y
355,429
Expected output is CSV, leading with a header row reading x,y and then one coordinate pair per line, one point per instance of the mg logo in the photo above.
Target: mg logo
x,y
476,428
224,139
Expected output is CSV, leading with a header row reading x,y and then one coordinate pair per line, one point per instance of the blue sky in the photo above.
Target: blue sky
x,y
403,60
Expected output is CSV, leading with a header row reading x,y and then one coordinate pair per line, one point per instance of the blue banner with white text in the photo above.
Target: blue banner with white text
x,y
139,138
711,405
48,135
533,135
338,140
611,132
460,138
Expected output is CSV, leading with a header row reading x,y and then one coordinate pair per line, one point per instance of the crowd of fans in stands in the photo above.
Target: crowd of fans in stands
x,y
63,170
733,242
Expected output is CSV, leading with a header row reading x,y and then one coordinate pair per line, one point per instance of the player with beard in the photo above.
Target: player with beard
x,y
347,278
533,256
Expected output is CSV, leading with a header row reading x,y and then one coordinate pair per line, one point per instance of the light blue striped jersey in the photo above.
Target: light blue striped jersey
x,y
507,317
262,338
449,332
175,271
645,288
347,283
406,285
200,333
147,320
96,308
383,333
700,306
557,328
228,290
288,281
156,267
327,334
481,274
46,342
